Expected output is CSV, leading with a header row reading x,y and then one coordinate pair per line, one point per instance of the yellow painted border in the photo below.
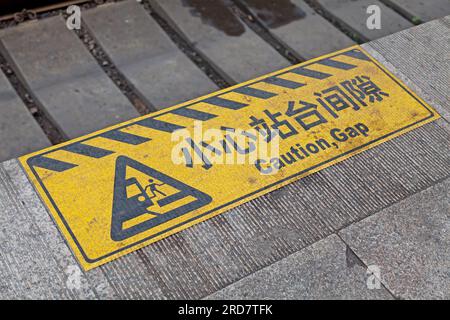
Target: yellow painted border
x,y
87,265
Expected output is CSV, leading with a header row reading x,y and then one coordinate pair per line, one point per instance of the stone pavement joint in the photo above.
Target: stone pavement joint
x,y
420,10
66,80
324,270
317,36
149,60
187,48
106,64
410,243
258,27
353,14
50,130
17,125
232,47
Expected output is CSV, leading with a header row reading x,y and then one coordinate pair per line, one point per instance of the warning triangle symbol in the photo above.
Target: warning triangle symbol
x,y
145,198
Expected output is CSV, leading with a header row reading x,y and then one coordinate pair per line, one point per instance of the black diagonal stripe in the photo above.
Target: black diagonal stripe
x,y
283,83
193,114
357,54
257,93
302,71
336,64
124,137
159,125
87,150
50,164
225,103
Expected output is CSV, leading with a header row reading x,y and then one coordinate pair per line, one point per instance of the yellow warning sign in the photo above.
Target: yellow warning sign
x,y
124,187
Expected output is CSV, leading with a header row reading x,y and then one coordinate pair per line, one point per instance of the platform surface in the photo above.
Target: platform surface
x,y
388,207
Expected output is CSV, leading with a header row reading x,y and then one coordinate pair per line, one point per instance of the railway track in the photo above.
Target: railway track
x,y
9,9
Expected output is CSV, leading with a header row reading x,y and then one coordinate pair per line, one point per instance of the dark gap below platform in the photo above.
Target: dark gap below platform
x,y
9,7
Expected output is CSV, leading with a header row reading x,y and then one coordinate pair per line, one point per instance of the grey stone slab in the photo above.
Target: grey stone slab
x,y
35,262
324,270
420,57
410,243
236,51
424,10
353,14
299,27
389,173
64,78
19,132
145,55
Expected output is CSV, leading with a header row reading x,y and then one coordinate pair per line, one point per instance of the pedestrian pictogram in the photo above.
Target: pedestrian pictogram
x,y
137,207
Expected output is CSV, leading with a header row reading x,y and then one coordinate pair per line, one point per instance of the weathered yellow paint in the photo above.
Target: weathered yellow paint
x,y
80,199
